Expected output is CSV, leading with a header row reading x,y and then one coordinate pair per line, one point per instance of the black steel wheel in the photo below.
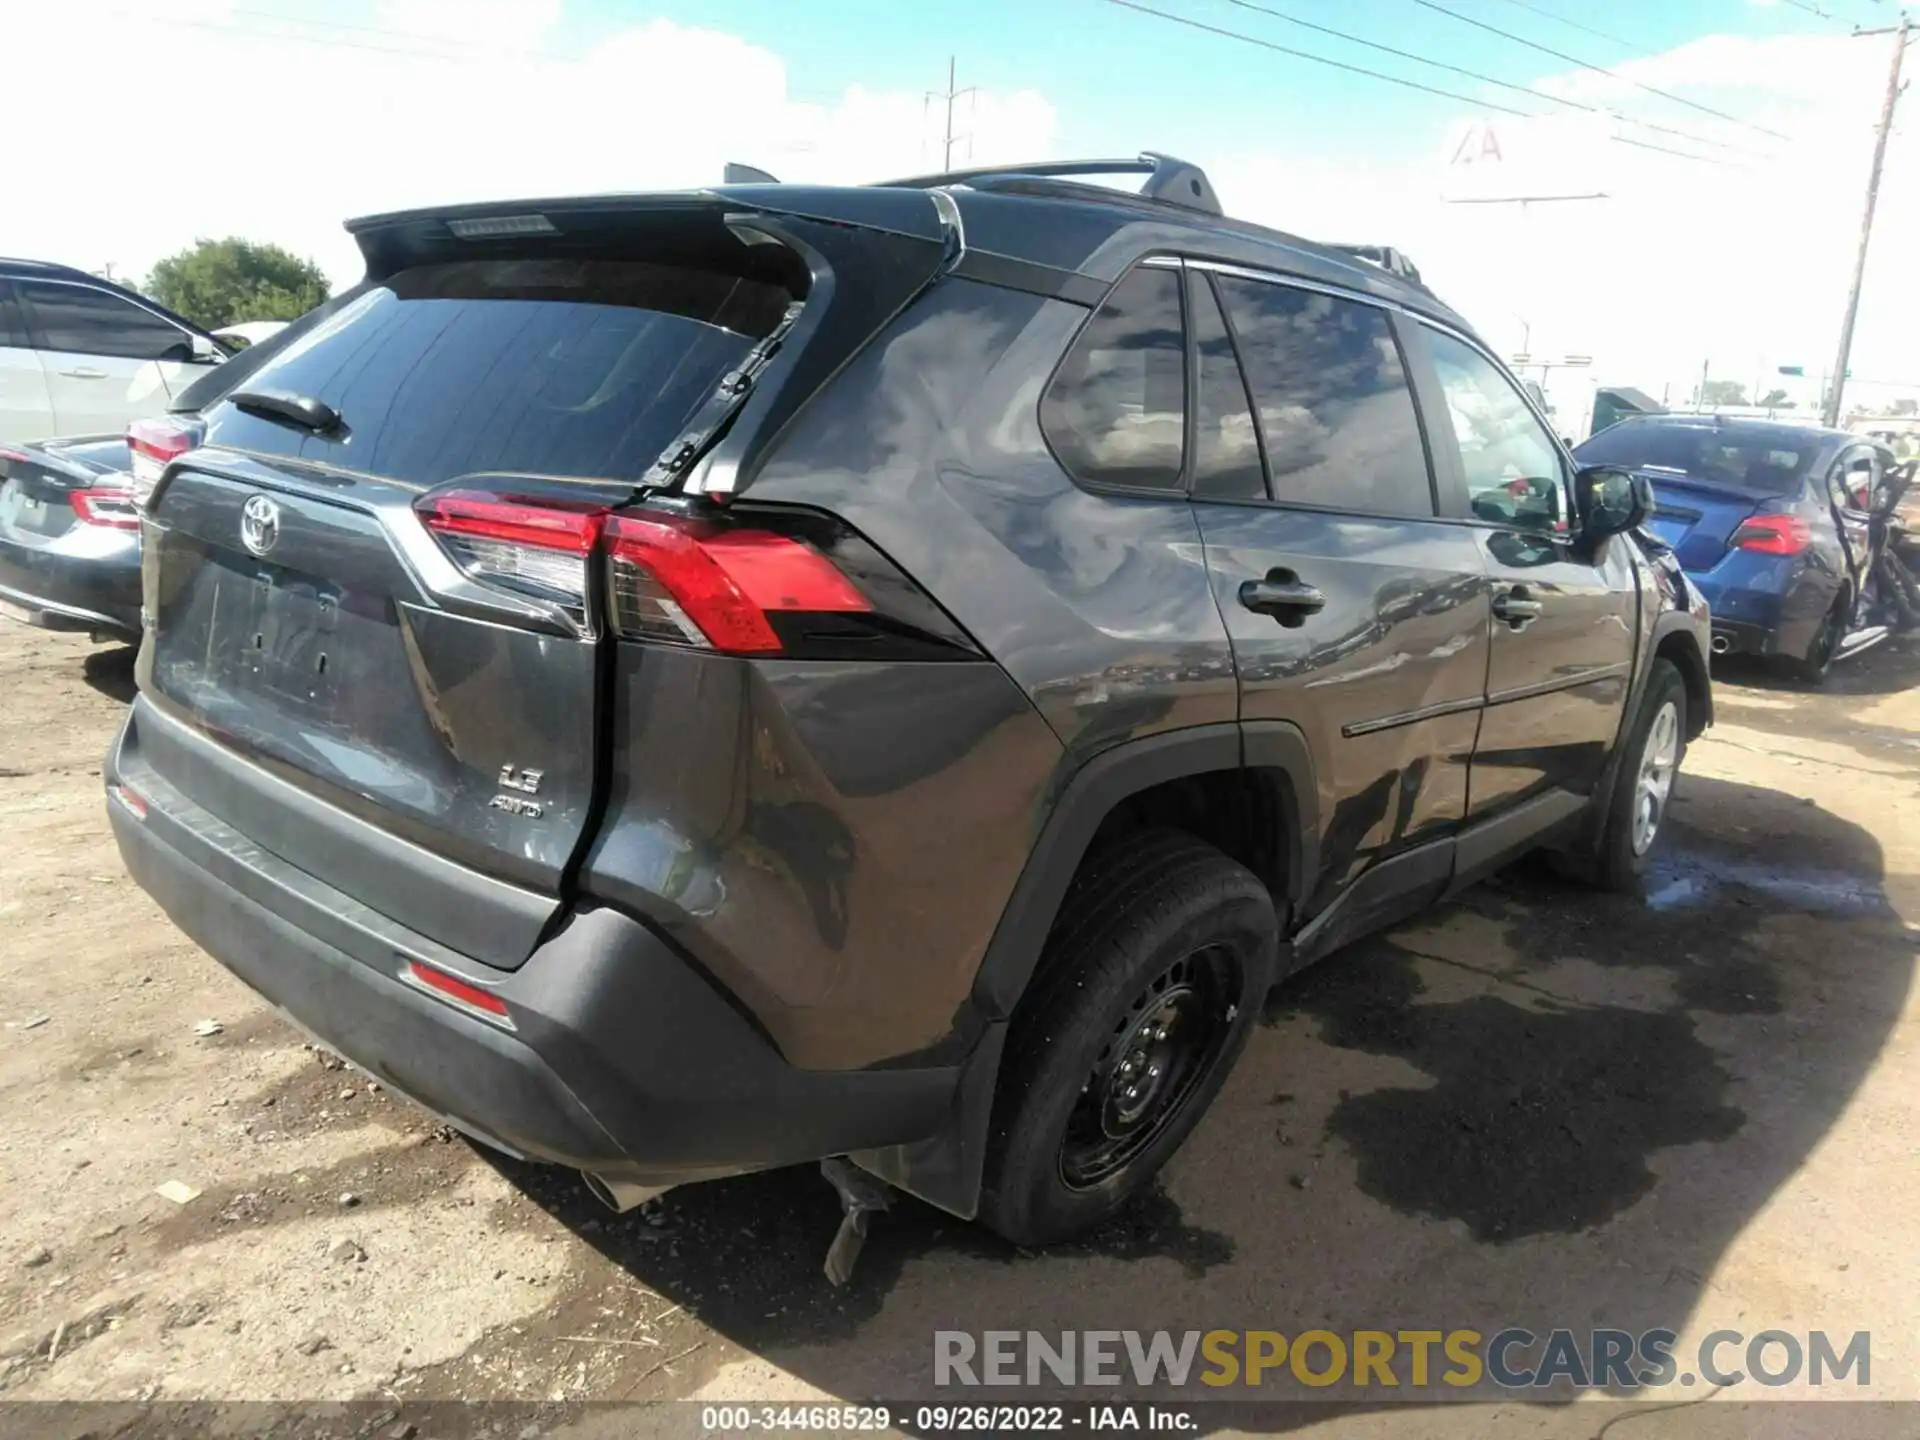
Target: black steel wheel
x,y
1148,985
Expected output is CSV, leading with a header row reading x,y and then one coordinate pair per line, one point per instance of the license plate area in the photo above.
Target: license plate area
x,y
277,630
1670,528
28,514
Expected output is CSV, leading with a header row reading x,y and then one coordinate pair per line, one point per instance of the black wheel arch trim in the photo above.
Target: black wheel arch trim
x,y
1089,795
945,1169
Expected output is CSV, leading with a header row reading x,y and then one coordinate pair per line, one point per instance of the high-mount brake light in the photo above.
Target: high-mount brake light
x,y
109,508
693,582
539,546
1772,535
153,445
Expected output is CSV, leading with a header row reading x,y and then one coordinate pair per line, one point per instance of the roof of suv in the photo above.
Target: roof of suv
x,y
1044,217
14,269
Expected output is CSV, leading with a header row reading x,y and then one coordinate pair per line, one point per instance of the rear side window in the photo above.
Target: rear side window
x,y
76,320
13,334
577,368
1335,408
1115,413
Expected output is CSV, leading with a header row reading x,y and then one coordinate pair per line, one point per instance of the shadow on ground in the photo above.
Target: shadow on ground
x,y
1537,1106
111,672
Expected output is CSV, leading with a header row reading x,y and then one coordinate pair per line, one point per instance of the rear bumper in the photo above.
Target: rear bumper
x,y
1731,637
621,1059
1777,616
89,583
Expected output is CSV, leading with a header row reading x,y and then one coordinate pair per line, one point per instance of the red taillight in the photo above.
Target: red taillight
x,y
698,583
454,988
670,577
110,508
135,804
1772,535
155,444
539,546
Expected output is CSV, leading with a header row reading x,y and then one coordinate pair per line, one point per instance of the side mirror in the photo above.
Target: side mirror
x,y
205,351
1611,501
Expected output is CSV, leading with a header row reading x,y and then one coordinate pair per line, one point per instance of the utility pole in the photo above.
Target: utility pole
x,y
1837,390
949,95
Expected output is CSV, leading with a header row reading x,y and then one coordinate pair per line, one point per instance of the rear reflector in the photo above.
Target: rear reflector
x,y
1772,535
110,509
131,799
453,988
535,546
154,445
697,583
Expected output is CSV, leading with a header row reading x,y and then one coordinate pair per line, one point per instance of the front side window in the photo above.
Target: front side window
x,y
1335,408
1115,413
76,320
1513,471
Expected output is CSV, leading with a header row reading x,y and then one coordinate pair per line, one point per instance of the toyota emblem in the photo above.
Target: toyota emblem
x,y
259,524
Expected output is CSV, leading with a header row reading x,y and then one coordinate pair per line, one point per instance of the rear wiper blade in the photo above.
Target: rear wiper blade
x,y
301,411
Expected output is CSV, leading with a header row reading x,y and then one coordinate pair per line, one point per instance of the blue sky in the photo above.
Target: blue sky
x,y
1121,79
418,102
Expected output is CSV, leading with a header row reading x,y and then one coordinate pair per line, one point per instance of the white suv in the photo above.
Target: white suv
x,y
82,356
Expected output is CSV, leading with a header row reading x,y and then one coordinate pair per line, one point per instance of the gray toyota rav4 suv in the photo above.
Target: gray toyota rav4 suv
x,y
680,684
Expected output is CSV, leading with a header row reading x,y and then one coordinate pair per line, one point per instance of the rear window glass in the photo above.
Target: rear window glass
x,y
1759,464
585,368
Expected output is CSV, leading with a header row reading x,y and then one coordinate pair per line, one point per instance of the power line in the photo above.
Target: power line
x,y
1322,59
1576,25
1478,103
1488,79
1440,9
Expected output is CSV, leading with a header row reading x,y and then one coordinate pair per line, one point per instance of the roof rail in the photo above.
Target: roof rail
x,y
1172,181
1387,258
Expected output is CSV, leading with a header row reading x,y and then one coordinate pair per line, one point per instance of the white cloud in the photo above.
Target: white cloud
x,y
1744,269
199,117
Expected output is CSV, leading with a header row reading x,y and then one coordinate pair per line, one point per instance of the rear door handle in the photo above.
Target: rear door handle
x,y
84,372
1517,608
1284,596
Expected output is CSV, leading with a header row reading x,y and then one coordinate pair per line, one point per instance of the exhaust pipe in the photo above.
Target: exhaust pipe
x,y
1721,644
621,1196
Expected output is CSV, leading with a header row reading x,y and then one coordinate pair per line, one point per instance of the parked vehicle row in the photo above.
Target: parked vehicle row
x,y
549,720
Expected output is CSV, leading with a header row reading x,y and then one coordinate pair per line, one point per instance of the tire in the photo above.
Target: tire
x,y
1161,956
1813,667
1626,843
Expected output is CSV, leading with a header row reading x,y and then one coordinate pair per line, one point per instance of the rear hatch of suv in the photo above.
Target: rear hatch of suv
x,y
377,644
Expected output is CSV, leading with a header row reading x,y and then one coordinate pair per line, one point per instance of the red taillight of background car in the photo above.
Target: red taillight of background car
x,y
693,582
1772,535
111,509
155,444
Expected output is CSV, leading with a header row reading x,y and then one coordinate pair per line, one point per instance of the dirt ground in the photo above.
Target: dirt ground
x,y
1537,1106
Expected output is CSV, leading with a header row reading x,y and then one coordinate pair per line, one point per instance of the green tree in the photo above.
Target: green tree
x,y
1905,406
224,282
1723,392
1776,399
